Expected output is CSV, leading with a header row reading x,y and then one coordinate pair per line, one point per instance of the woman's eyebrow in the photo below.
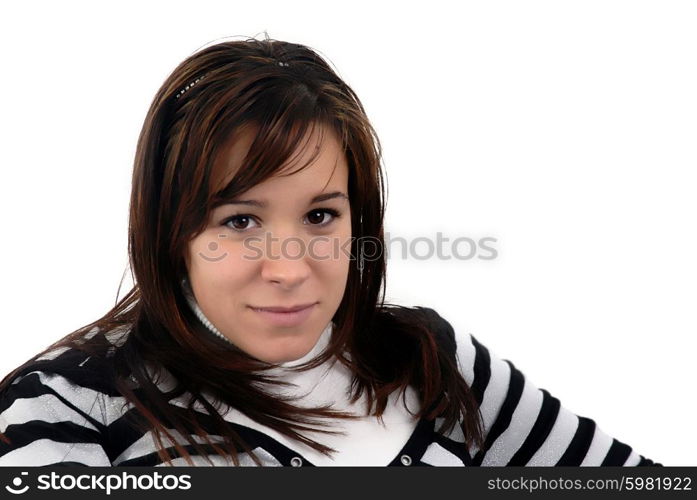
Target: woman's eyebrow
x,y
316,199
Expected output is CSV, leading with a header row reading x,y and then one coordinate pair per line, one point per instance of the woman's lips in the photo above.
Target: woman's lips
x,y
285,309
292,318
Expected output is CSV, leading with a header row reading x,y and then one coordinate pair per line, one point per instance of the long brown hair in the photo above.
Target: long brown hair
x,y
282,89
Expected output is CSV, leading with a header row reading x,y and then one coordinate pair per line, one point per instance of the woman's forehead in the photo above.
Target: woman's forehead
x,y
318,145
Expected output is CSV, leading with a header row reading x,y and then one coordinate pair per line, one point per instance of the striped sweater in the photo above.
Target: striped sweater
x,y
62,410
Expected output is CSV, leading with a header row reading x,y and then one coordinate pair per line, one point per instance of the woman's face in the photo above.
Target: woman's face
x,y
277,249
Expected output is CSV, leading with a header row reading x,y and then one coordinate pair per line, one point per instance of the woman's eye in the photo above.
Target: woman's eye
x,y
321,220
238,222
320,217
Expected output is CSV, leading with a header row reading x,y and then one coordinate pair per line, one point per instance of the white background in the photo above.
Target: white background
x,y
566,130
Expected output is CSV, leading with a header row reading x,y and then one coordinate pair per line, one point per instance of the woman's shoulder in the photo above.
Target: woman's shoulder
x,y
76,364
473,358
524,424
57,400
64,376
67,376
457,342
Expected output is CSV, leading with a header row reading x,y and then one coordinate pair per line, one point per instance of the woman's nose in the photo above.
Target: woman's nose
x,y
285,262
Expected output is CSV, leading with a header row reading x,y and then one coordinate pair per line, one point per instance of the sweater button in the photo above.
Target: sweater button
x,y
405,459
296,461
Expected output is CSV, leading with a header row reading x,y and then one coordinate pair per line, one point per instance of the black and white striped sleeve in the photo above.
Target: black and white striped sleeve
x,y
49,420
527,426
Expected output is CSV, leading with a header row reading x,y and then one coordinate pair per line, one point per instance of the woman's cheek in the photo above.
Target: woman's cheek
x,y
246,251
320,249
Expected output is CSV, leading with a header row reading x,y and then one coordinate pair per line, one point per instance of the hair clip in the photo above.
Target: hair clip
x,y
179,94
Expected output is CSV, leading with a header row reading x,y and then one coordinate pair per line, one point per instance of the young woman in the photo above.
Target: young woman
x,y
257,331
